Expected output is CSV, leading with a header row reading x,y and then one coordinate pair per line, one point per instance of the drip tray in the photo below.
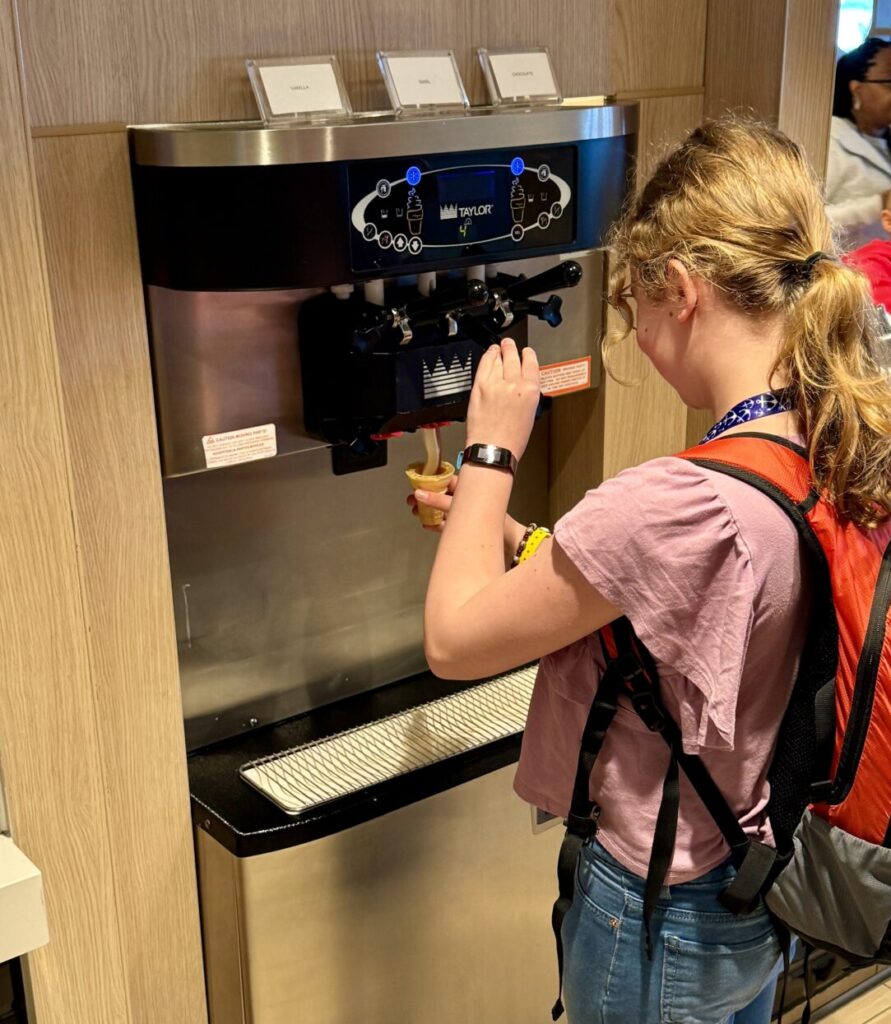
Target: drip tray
x,y
308,776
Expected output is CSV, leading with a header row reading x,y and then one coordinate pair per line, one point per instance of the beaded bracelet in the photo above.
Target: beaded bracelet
x,y
530,529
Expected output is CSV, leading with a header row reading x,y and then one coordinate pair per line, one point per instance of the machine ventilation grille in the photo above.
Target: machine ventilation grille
x,y
304,777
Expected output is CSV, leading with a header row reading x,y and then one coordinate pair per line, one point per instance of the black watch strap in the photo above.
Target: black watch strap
x,y
489,455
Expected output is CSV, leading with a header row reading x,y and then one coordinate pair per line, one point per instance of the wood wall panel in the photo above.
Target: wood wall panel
x,y
658,45
744,56
578,34
78,59
52,771
162,60
805,106
103,352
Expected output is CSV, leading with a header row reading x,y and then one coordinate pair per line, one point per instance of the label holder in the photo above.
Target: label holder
x,y
423,81
520,77
291,90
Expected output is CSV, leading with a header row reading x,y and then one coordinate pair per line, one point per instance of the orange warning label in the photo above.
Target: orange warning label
x,y
562,378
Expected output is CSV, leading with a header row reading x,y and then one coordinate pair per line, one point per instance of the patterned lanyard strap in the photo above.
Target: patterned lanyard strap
x,y
769,403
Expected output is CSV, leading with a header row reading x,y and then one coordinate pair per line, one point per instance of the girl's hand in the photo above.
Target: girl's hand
x,y
441,500
504,398
513,531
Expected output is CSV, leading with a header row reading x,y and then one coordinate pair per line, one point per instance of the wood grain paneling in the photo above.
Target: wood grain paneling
x,y
52,769
119,514
663,124
657,46
162,60
578,34
808,74
78,59
744,56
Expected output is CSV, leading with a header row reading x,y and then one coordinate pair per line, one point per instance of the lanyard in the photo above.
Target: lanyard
x,y
769,403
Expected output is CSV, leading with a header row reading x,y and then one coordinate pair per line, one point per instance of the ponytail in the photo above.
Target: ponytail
x,y
830,360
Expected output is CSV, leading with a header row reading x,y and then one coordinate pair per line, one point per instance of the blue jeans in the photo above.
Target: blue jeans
x,y
708,966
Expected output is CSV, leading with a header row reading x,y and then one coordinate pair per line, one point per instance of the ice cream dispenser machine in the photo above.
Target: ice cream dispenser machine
x,y
324,292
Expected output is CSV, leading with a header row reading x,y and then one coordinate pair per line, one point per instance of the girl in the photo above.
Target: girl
x,y
723,268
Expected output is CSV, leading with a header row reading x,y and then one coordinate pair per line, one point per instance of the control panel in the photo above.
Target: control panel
x,y
441,207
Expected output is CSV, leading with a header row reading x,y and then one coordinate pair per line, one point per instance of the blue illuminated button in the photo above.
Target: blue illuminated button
x,y
413,175
517,166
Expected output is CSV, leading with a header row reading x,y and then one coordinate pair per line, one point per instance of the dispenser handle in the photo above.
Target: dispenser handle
x,y
429,308
563,275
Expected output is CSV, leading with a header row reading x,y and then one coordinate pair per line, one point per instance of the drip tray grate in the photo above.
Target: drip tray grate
x,y
316,773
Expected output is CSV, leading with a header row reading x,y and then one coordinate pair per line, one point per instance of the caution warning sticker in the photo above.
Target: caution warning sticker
x,y
562,378
236,446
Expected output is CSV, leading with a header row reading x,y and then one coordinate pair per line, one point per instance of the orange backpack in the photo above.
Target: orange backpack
x,y
829,878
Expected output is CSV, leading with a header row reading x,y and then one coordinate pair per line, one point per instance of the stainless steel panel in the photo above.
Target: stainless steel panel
x,y
229,360
584,313
438,913
224,361
249,143
294,587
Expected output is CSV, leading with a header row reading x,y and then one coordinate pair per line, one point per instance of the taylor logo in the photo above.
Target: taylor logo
x,y
440,381
452,211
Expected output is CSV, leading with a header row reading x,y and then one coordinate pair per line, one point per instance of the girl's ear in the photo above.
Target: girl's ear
x,y
685,290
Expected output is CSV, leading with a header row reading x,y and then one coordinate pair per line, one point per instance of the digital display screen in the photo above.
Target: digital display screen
x,y
469,187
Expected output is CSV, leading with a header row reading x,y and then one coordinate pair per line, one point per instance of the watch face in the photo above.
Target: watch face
x,y
491,455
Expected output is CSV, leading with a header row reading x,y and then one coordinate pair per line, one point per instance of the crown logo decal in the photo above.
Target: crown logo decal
x,y
448,211
440,381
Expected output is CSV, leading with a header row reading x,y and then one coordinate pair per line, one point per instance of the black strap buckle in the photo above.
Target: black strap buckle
x,y
821,791
649,709
583,826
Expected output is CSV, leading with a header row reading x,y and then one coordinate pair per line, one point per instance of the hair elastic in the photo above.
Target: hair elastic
x,y
797,272
815,258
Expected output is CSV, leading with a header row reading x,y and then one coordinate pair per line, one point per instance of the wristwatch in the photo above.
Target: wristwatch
x,y
488,455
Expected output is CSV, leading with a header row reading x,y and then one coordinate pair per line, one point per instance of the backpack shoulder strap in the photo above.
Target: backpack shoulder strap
x,y
773,465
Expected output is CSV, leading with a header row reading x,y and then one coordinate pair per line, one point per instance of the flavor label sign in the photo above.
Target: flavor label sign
x,y
237,446
563,378
301,88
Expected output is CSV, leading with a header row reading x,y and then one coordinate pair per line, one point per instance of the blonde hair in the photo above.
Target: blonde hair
x,y
738,204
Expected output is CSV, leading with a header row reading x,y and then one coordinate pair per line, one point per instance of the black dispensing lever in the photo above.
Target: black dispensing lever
x,y
427,309
563,275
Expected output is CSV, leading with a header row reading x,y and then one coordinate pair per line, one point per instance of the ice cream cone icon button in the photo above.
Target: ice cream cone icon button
x,y
414,212
517,201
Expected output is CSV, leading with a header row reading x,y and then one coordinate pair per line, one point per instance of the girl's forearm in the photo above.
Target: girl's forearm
x,y
470,555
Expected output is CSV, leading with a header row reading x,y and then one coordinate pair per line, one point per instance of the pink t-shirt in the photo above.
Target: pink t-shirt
x,y
709,571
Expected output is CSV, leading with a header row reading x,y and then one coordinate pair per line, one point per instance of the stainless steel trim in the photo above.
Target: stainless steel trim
x,y
250,143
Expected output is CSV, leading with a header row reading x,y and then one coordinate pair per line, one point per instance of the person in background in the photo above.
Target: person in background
x,y
727,279
858,178
874,260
